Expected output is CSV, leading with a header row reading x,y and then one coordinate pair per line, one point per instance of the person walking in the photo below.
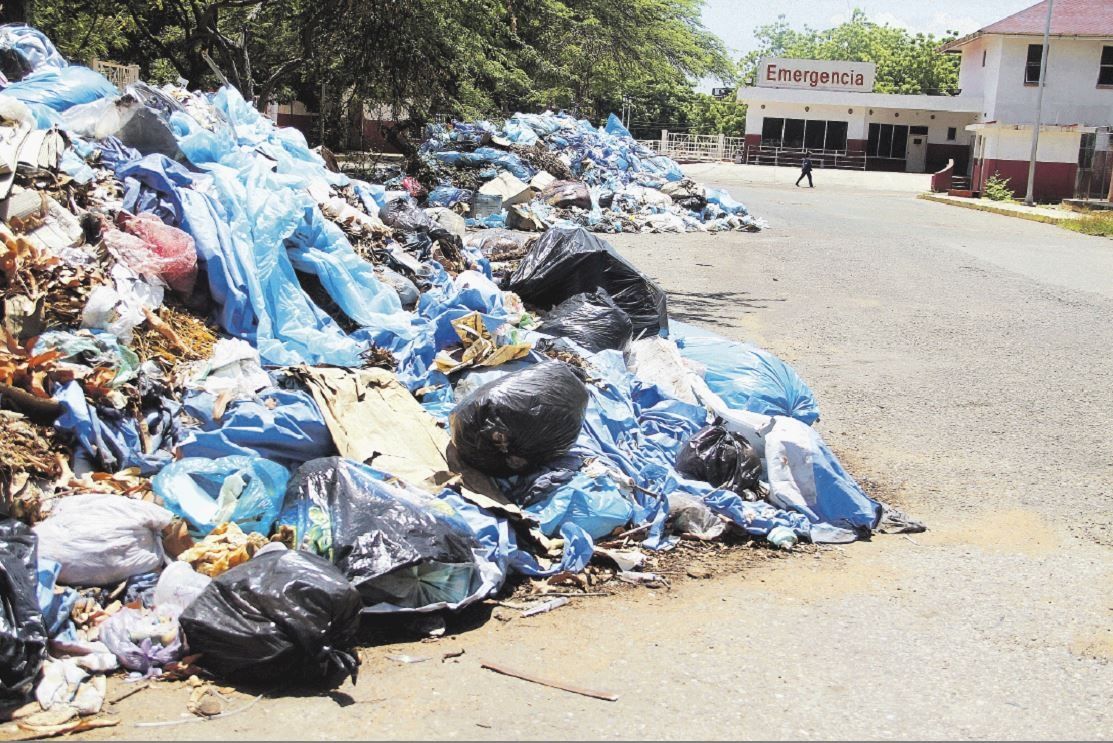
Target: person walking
x,y
806,170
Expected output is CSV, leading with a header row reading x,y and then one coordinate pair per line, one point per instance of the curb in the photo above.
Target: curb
x,y
1003,211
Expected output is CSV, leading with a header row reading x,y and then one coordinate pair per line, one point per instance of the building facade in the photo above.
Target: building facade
x,y
986,129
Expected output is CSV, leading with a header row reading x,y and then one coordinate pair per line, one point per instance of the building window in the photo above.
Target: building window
x,y
952,134
772,130
983,57
887,140
1032,68
1105,72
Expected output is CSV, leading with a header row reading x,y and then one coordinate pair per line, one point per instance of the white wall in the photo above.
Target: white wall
x,y
1016,144
971,74
1071,95
855,128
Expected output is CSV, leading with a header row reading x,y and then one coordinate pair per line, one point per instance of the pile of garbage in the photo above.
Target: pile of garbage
x,y
247,400
552,170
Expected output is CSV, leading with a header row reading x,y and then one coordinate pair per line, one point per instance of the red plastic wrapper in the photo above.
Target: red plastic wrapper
x,y
162,250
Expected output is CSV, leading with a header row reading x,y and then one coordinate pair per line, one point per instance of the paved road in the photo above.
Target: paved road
x,y
962,364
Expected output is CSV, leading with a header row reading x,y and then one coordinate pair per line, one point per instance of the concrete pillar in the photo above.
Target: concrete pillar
x,y
721,147
664,142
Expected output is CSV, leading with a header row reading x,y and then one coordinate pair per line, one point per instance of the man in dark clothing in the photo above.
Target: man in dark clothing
x,y
806,170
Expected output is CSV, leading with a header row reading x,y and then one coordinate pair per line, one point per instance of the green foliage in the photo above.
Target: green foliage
x,y
906,62
997,189
1091,223
464,58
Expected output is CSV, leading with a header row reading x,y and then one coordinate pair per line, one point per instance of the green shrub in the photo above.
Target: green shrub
x,y
997,189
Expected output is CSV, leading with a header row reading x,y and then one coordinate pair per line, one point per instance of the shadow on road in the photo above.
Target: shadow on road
x,y
709,306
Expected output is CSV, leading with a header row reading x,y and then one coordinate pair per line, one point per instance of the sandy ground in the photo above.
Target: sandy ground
x,y
962,365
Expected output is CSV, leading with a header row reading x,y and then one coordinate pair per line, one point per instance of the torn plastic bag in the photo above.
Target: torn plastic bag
x,y
402,548
567,195
519,422
102,539
143,640
595,504
721,458
566,261
746,377
22,633
804,476
690,516
247,491
501,245
281,614
592,320
172,254
406,216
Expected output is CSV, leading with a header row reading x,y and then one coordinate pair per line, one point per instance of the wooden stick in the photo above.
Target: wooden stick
x,y
605,696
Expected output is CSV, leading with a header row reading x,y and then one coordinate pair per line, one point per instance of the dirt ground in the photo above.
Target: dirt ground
x,y
962,365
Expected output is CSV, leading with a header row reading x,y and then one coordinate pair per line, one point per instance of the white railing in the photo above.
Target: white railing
x,y
695,147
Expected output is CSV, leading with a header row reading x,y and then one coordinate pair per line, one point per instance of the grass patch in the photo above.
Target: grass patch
x,y
1093,223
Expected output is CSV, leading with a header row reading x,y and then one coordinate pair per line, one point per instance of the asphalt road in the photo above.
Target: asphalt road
x,y
963,369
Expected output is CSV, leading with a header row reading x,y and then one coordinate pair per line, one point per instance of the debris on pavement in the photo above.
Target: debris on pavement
x,y
583,691
246,399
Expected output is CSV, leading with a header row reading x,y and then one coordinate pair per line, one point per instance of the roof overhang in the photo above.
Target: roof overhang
x,y
955,104
997,125
953,47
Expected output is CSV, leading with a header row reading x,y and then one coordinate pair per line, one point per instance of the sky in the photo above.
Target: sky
x,y
734,21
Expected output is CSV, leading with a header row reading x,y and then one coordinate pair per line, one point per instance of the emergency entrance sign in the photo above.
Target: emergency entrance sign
x,y
816,74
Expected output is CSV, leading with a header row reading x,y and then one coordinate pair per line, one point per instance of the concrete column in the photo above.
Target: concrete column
x,y
722,147
664,142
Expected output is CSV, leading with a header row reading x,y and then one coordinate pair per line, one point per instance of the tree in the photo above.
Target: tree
x,y
906,62
465,58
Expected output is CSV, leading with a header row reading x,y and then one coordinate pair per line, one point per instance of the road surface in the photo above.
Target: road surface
x,y
963,368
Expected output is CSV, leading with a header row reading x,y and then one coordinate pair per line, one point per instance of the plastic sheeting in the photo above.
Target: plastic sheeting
x,y
745,376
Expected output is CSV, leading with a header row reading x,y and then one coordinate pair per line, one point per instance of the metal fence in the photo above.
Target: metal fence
x,y
120,75
1095,166
696,147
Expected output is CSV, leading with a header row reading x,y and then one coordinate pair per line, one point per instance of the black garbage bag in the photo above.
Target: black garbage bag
x,y
518,422
404,215
592,320
567,194
394,543
566,261
281,614
22,632
719,457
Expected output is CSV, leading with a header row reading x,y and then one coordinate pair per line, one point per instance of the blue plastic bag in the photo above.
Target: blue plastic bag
x,y
745,376
206,492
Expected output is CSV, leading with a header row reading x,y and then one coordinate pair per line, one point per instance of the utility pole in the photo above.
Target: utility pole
x,y
1039,107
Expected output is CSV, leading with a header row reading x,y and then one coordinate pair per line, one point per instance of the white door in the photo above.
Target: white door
x,y
916,153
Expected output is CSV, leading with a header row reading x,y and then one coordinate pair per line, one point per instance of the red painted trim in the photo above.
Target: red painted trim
x,y
855,145
1054,181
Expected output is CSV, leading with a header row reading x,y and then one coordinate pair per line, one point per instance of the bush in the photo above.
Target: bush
x,y
997,189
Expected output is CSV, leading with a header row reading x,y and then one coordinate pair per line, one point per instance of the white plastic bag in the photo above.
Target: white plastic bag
x,y
178,586
102,539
